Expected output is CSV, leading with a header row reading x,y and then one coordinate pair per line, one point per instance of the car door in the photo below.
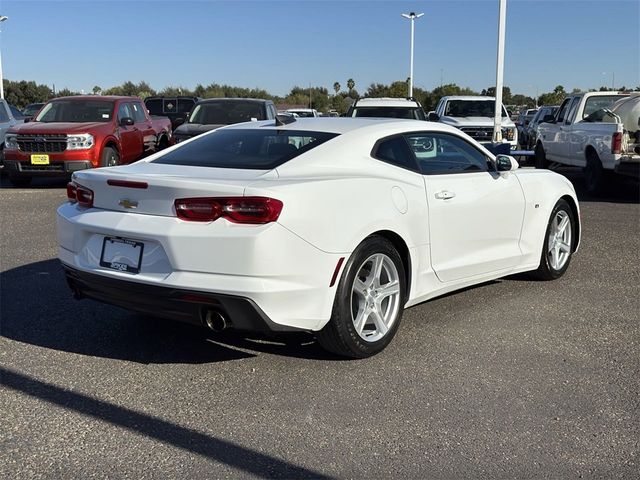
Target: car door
x,y
552,134
130,135
145,126
475,213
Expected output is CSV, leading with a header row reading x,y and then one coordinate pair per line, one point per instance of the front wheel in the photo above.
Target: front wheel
x,y
110,157
541,157
558,243
369,301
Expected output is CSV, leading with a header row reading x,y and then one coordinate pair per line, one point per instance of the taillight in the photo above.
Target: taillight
x,y
80,195
616,142
251,210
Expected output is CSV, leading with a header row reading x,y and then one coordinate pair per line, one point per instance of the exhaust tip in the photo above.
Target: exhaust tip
x,y
216,321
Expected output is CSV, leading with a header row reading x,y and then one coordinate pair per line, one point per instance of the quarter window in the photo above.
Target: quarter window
x,y
439,153
394,151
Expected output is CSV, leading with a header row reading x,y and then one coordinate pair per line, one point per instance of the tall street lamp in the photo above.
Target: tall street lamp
x,y
2,19
411,16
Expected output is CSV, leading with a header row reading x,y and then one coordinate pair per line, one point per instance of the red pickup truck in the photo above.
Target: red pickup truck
x,y
75,133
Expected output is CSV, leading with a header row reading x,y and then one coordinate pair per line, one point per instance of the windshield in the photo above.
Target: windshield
x,y
302,113
226,113
472,108
76,111
259,149
389,112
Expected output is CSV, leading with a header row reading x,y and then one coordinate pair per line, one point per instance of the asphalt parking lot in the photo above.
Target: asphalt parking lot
x,y
511,379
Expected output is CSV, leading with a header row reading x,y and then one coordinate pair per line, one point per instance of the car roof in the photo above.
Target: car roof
x,y
386,102
104,98
227,99
469,97
343,125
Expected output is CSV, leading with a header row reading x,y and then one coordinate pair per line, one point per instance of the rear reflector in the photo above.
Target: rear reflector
x,y
249,210
82,195
127,184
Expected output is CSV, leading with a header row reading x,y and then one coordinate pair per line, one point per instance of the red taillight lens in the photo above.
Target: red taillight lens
x,y
71,192
616,142
250,210
82,195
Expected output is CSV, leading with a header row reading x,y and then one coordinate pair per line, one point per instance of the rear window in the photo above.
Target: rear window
x,y
598,102
389,112
226,112
254,149
154,106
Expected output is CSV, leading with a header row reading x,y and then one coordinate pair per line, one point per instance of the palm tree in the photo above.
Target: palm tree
x,y
336,87
350,84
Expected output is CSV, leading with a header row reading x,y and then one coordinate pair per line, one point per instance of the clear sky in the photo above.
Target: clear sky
x,y
276,45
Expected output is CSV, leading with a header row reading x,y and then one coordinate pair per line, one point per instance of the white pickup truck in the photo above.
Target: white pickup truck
x,y
474,115
586,132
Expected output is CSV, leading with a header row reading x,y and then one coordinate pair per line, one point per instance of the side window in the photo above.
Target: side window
x,y
3,114
124,111
562,113
441,153
572,111
394,151
138,112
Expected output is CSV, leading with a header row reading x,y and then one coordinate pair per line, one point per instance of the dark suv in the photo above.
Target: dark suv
x,y
217,112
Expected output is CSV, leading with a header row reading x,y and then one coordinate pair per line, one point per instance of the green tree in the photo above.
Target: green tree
x,y
351,85
96,90
431,99
553,98
336,87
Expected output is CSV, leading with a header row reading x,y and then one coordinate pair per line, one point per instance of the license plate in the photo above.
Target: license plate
x,y
121,254
39,159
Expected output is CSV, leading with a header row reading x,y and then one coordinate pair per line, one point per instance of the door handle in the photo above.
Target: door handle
x,y
444,195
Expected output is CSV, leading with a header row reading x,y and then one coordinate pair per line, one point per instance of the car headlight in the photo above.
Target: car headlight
x,y
11,141
79,142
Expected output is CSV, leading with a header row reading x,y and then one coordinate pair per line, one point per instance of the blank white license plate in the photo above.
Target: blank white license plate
x,y
121,254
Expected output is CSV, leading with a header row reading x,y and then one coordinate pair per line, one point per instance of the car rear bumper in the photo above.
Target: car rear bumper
x,y
187,306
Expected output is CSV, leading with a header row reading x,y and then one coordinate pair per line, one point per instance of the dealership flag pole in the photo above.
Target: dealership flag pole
x,y
497,120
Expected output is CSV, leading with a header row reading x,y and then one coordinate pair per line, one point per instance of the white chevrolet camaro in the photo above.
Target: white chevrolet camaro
x,y
331,226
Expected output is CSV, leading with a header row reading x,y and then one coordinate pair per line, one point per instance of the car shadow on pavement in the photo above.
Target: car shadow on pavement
x,y
36,308
41,183
236,456
620,190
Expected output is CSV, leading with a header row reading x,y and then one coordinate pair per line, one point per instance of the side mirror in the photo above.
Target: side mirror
x,y
433,117
177,122
549,118
27,119
126,121
506,163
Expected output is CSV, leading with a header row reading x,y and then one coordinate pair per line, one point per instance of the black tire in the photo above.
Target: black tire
x,y
340,336
595,177
541,157
110,157
546,270
162,144
19,180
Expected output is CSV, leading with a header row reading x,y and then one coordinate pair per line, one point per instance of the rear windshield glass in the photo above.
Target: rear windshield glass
x,y
76,111
472,108
389,112
261,149
226,112
154,105
596,103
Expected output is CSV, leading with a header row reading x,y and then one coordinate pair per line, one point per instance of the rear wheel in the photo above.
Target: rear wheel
x,y
110,157
558,243
595,177
369,301
541,157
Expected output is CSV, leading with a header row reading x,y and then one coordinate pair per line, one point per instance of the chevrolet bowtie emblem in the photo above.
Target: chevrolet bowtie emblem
x,y
126,203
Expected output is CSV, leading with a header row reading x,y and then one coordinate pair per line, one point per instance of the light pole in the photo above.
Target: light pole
x,y
2,19
411,16
497,120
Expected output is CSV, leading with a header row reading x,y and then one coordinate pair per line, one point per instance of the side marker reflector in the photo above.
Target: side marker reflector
x,y
336,272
